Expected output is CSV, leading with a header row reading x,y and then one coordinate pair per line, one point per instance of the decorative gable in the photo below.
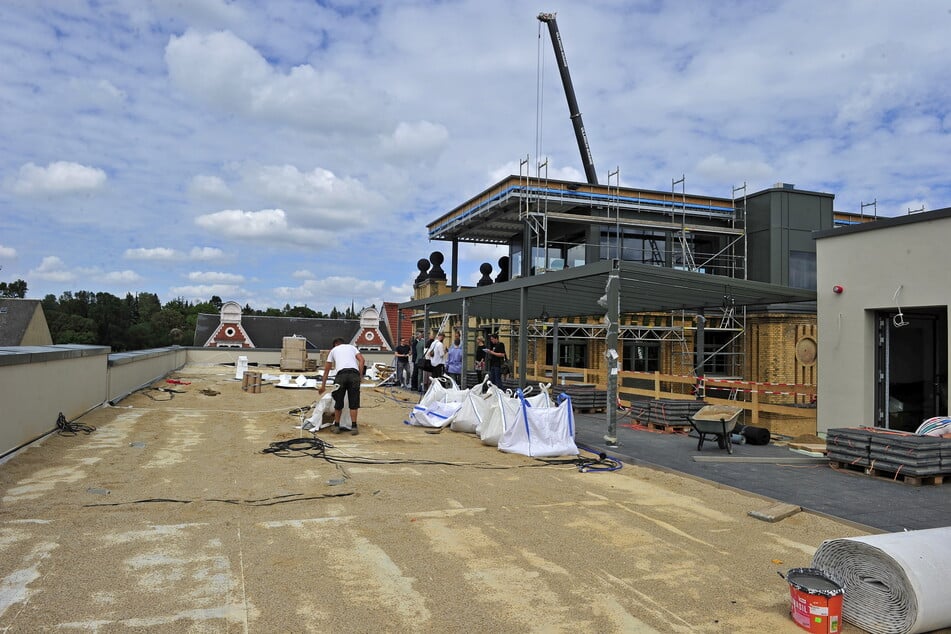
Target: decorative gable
x,y
229,335
370,337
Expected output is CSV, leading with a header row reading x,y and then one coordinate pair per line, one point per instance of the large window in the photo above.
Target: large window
x,y
802,269
646,247
641,357
571,354
575,255
722,353
547,259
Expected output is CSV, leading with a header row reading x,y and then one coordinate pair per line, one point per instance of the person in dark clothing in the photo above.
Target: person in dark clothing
x,y
495,356
402,354
480,358
414,371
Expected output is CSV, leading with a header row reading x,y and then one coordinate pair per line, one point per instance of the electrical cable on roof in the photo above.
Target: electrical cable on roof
x,y
317,448
67,428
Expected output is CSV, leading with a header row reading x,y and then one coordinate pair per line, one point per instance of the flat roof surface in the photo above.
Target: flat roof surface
x,y
170,517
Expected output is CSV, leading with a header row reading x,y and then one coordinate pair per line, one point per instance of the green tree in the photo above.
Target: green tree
x,y
149,304
112,321
73,329
301,311
165,322
15,290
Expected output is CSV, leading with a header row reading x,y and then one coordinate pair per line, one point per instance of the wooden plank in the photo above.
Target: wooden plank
x,y
776,512
810,447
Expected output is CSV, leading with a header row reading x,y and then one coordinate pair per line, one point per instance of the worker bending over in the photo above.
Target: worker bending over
x,y
349,364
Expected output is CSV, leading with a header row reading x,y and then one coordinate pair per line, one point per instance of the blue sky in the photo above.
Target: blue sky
x,y
292,152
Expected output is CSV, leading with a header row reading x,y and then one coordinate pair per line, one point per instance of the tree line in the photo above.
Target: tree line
x,y
140,321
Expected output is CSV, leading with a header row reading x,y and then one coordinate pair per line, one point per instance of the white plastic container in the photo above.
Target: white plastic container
x,y
241,367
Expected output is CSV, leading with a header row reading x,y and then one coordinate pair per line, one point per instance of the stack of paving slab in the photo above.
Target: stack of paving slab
x,y
895,452
583,396
665,412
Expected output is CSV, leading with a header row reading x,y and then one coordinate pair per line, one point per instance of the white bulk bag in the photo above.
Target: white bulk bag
x,y
541,432
438,405
506,411
476,408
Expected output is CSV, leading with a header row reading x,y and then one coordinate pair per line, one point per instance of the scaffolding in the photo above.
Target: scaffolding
x,y
724,327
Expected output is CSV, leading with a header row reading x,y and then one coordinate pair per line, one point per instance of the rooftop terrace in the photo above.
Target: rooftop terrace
x,y
169,517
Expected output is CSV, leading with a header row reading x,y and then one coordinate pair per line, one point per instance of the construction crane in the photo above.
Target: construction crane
x,y
573,111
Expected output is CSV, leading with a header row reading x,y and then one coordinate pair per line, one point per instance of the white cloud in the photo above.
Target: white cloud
x,y
121,277
716,167
566,173
210,277
60,177
7,252
421,140
166,254
267,225
318,198
337,133
209,187
222,70
205,253
95,93
337,291
206,13
156,253
53,269
302,274
202,292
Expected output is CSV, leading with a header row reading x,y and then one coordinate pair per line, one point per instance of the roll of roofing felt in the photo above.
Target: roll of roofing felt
x,y
896,582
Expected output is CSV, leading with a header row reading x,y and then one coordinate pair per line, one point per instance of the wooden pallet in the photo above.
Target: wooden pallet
x,y
665,428
881,474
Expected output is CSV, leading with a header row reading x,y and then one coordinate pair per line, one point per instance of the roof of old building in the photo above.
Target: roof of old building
x,y
16,316
269,332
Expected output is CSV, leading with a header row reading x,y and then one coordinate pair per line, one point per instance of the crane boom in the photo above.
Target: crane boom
x,y
573,110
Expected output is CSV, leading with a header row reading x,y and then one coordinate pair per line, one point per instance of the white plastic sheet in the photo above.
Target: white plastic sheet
x,y
326,404
894,583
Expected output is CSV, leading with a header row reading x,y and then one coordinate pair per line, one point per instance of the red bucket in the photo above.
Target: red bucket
x,y
816,601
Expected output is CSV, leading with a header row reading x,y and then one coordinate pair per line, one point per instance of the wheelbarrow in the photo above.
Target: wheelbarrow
x,y
716,421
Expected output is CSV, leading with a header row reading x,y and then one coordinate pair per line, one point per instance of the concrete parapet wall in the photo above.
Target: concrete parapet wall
x,y
129,371
39,382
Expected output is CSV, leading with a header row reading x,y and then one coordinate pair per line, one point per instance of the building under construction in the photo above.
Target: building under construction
x,y
716,294
646,293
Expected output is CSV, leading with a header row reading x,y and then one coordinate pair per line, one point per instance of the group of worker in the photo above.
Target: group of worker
x,y
411,371
419,360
